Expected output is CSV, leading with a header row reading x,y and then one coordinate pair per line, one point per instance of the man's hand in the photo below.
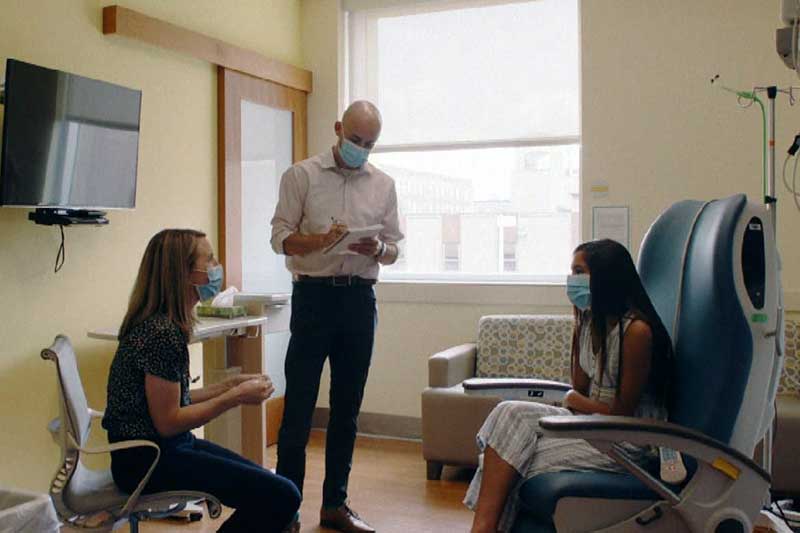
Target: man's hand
x,y
367,246
336,231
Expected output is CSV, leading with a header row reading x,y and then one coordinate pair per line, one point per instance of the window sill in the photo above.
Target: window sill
x,y
541,297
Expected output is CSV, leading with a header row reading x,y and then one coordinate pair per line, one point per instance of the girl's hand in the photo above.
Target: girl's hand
x,y
572,401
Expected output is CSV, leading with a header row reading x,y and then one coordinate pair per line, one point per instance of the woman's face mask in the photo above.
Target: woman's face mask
x,y
578,291
212,288
352,154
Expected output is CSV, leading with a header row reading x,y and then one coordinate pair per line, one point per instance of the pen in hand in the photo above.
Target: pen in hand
x,y
336,230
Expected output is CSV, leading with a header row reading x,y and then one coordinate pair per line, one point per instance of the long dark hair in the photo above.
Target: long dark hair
x,y
161,283
617,292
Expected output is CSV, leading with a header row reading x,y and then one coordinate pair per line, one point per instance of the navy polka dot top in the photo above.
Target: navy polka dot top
x,y
155,346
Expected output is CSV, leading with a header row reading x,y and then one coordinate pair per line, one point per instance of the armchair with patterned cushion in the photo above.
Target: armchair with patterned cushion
x,y
524,357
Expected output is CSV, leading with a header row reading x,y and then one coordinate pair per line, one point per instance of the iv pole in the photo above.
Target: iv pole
x,y
771,204
770,199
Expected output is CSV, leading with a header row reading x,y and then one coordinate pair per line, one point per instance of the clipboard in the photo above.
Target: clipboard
x,y
351,236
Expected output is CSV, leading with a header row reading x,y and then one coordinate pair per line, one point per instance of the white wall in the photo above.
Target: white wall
x,y
653,128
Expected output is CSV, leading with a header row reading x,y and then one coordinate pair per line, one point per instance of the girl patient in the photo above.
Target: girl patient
x,y
619,366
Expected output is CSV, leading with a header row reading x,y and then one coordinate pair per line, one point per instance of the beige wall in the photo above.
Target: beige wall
x,y
653,128
177,187
321,30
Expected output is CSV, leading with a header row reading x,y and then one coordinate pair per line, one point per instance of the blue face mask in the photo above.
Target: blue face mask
x,y
578,291
352,154
212,288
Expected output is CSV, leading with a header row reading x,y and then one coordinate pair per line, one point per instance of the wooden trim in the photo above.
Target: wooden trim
x,y
275,408
247,353
403,427
234,87
118,20
221,198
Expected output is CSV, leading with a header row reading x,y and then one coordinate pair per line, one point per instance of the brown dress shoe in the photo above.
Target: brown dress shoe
x,y
344,519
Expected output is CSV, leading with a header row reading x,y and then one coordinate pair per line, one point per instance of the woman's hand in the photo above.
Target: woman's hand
x,y
254,391
232,381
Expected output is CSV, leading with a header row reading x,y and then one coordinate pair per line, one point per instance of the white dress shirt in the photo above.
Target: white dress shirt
x,y
314,192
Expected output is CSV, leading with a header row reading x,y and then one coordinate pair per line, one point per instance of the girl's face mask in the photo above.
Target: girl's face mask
x,y
578,291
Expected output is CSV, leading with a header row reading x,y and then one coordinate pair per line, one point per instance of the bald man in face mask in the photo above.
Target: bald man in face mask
x,y
334,312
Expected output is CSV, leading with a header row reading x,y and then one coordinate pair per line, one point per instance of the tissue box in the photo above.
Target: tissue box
x,y
231,311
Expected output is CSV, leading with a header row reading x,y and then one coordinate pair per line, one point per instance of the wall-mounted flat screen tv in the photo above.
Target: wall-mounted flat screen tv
x,y
69,142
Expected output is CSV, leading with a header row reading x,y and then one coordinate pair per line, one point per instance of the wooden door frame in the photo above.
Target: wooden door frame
x,y
232,88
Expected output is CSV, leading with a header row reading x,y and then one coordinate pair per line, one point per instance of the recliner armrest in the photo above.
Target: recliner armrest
x,y
643,431
526,389
452,366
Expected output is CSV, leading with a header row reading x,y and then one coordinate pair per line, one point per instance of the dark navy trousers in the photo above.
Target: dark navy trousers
x,y
264,502
337,323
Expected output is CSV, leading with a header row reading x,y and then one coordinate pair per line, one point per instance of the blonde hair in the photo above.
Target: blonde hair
x,y
161,283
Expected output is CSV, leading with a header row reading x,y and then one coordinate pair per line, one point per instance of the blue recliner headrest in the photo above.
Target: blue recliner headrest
x,y
661,260
713,346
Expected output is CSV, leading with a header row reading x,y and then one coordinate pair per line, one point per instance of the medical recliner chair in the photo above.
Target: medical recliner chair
x,y
711,272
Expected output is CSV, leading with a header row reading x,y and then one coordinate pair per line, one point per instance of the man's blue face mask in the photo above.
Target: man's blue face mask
x,y
352,154
212,288
578,291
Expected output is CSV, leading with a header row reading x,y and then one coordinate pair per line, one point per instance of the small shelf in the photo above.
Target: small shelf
x,y
67,217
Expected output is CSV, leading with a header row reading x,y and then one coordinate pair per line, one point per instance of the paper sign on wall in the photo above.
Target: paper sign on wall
x,y
612,222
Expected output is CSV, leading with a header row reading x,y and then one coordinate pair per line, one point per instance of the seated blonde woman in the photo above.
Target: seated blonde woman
x,y
149,396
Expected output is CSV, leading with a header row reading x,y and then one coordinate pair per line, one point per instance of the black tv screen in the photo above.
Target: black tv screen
x,y
68,141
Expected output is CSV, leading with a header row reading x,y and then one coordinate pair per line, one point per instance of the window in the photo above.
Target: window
x,y
480,103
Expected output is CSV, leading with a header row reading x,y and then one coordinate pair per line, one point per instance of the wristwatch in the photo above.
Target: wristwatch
x,y
381,250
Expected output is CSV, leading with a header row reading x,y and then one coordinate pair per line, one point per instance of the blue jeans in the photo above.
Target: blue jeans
x,y
336,323
264,502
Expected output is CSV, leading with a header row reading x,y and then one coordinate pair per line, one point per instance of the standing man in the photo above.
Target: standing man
x,y
333,301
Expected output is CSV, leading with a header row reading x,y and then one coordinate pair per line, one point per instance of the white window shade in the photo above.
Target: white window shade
x,y
481,132
475,74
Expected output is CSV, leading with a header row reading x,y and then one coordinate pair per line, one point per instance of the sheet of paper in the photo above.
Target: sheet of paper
x,y
352,236
612,222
